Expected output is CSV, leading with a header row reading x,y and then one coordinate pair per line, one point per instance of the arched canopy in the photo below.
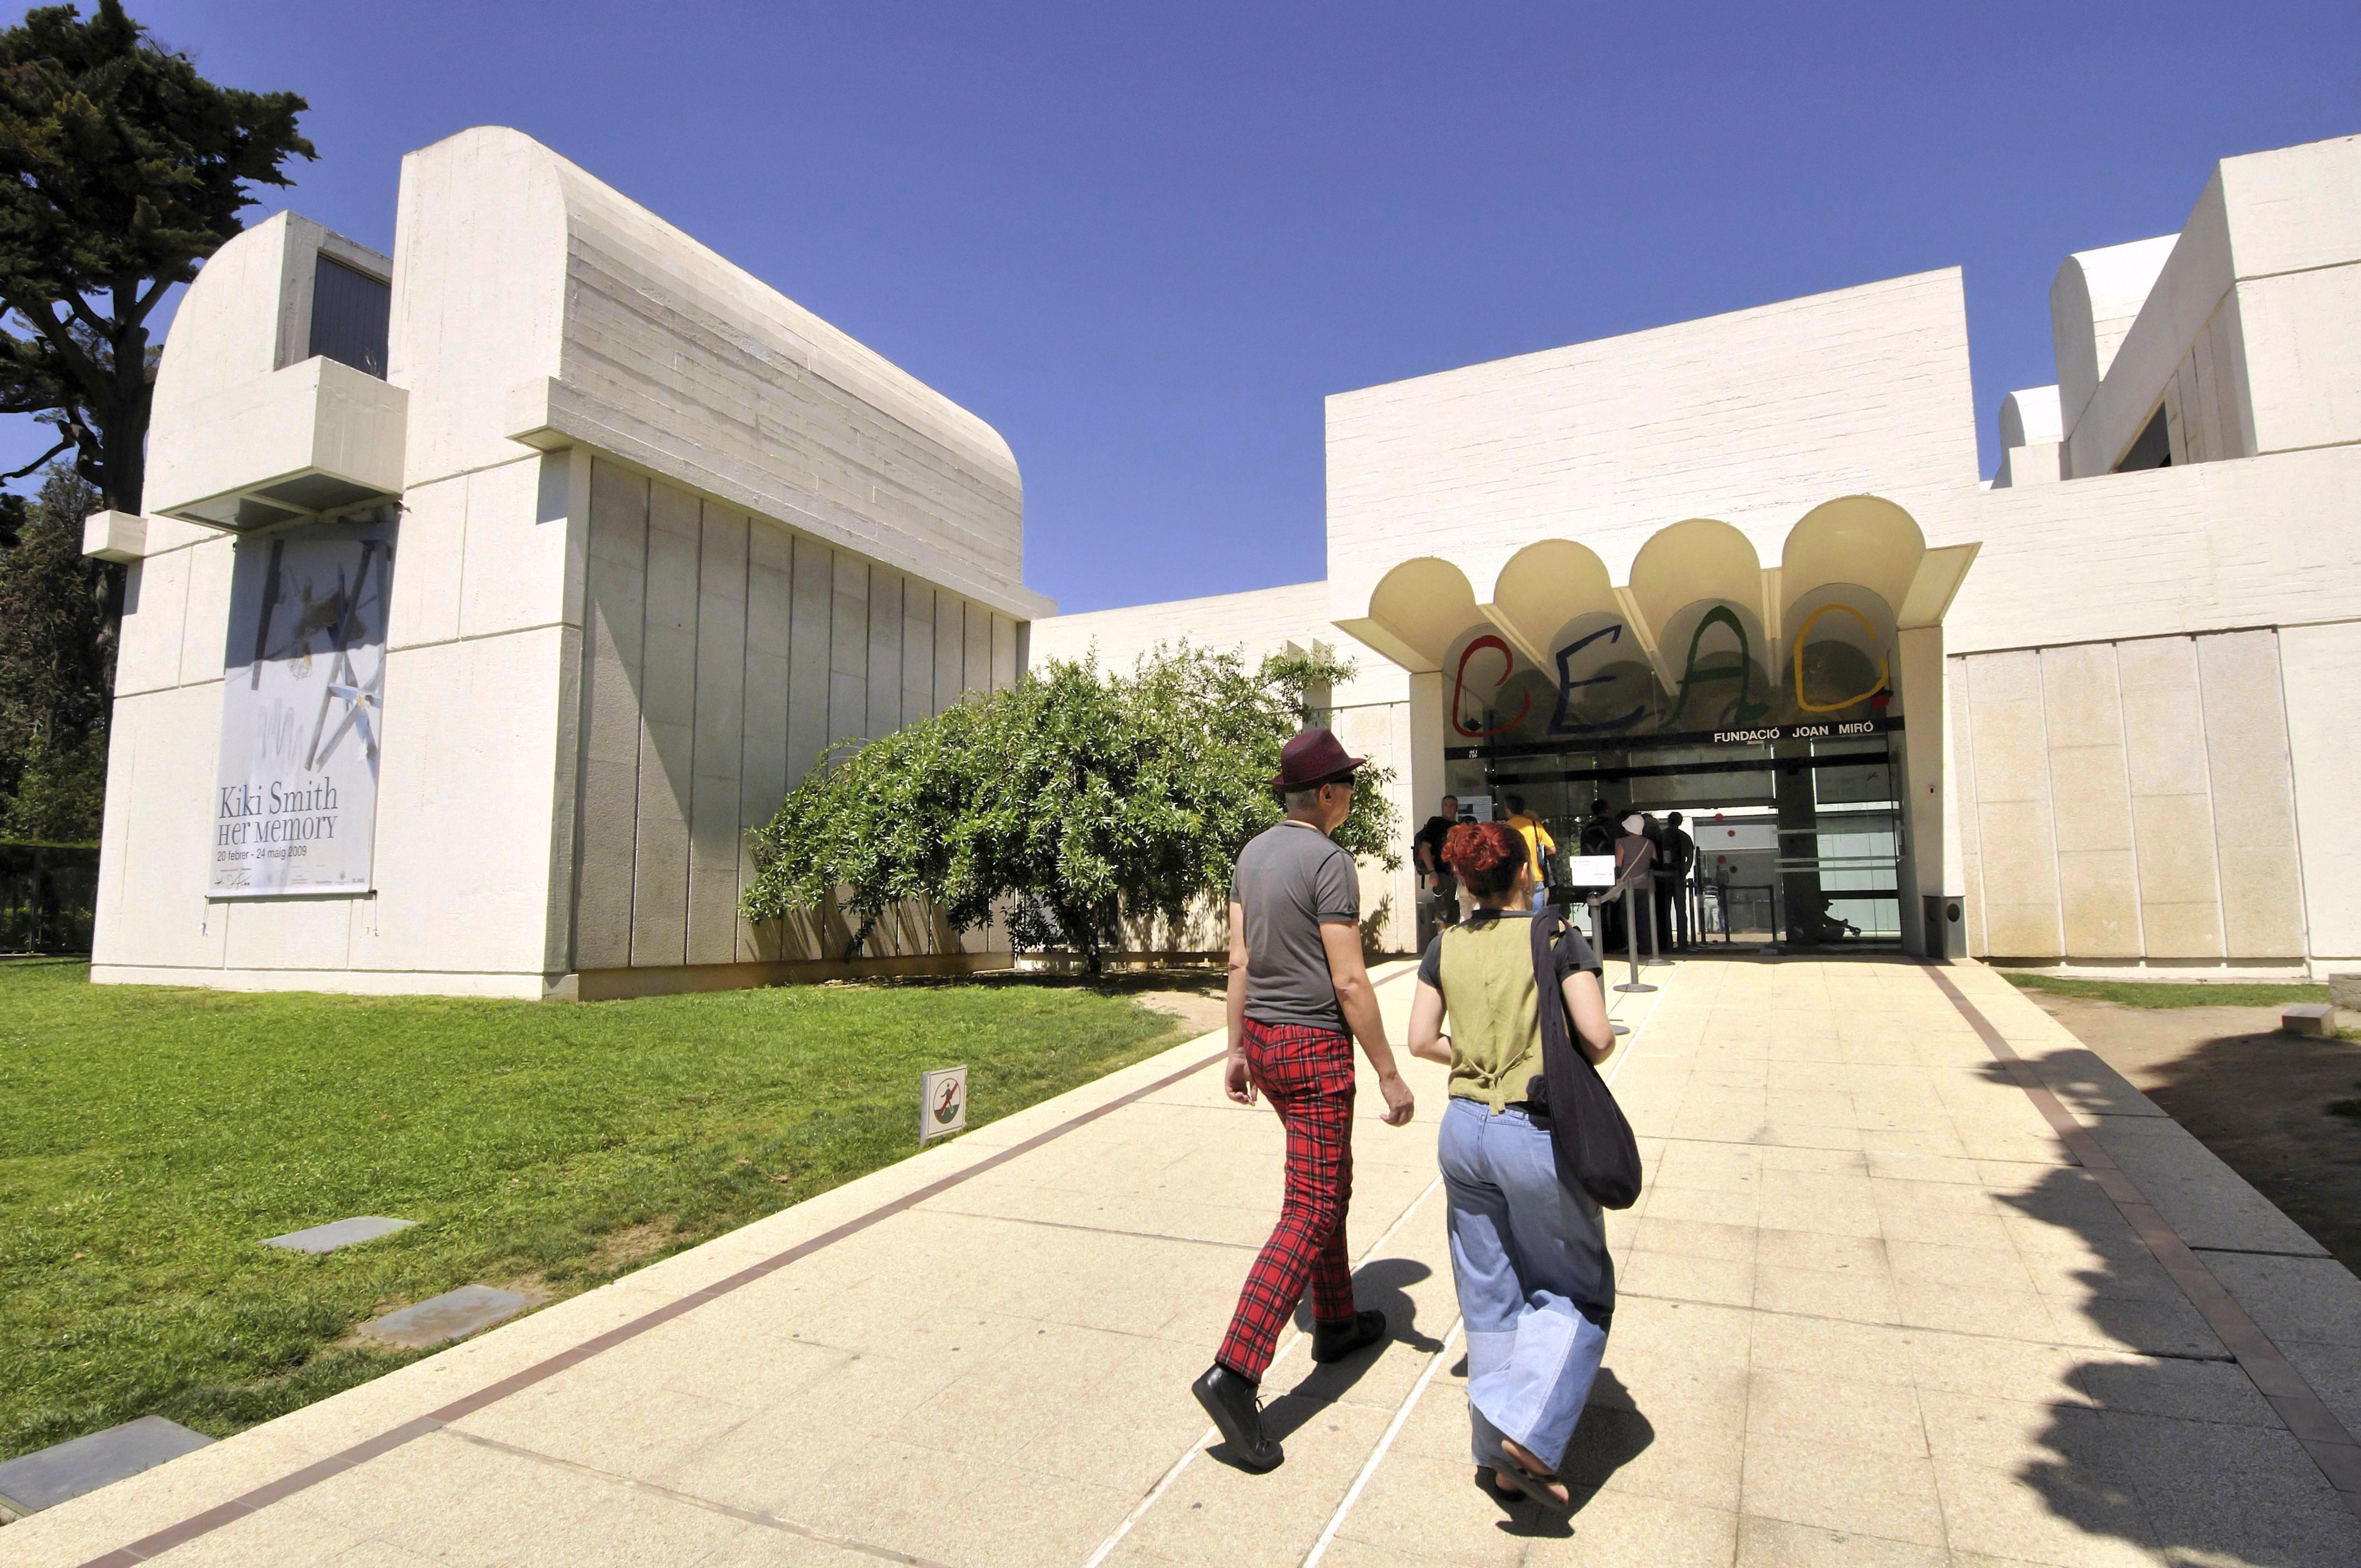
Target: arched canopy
x,y
1863,540
1545,586
1702,558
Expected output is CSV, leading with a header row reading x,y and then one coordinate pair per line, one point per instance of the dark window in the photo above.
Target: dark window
x,y
349,311
2152,449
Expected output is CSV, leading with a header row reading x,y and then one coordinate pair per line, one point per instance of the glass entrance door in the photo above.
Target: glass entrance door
x,y
1797,838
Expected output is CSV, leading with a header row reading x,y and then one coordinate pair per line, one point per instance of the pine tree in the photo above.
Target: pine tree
x,y
57,670
121,169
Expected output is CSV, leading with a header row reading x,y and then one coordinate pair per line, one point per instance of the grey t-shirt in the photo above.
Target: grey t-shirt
x,y
1291,880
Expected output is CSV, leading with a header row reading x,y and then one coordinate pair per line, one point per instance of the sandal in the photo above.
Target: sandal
x,y
1535,1488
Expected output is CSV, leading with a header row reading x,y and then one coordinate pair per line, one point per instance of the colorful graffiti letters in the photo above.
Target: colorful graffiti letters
x,y
1459,687
1561,722
1803,635
1739,669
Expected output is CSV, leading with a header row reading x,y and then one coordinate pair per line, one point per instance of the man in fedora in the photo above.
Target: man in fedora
x,y
1296,985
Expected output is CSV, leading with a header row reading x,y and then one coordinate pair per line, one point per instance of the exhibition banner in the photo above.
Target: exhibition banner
x,y
302,710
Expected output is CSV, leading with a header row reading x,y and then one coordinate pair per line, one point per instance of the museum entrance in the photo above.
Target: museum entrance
x,y
1798,828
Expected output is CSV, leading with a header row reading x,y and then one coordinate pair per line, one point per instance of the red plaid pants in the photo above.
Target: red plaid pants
x,y
1307,1076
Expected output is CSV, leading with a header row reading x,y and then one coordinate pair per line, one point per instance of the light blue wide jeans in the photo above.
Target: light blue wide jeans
x,y
1524,1250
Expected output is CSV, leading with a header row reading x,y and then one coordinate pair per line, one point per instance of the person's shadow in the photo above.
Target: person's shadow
x,y
1612,1433
1383,1284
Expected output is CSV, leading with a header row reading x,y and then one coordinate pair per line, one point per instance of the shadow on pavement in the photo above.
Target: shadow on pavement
x,y
2170,1447
1382,1283
1612,1433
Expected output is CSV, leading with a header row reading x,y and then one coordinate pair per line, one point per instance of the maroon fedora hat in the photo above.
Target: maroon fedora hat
x,y
1312,759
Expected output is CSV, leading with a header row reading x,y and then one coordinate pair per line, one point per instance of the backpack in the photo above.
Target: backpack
x,y
1594,1140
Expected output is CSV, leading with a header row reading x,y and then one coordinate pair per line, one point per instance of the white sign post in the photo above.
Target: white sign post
x,y
942,1103
303,713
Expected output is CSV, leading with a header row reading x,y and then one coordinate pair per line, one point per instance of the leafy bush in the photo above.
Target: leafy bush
x,y
1071,799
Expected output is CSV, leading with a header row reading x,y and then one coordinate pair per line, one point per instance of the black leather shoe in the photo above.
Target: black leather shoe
x,y
1230,1401
1334,1341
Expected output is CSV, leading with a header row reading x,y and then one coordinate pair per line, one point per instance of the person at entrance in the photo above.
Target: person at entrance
x,y
1539,845
1527,1246
1598,833
1297,986
1676,852
1438,890
1634,859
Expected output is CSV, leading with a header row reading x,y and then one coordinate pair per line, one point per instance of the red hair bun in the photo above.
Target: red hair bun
x,y
1485,856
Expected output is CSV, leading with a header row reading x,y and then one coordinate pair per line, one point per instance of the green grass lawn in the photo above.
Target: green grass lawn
x,y
151,1137
2170,992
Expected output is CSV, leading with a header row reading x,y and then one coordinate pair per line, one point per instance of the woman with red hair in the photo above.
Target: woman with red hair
x,y
1528,1248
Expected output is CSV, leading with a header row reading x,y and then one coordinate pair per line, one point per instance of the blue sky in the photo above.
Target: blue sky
x,y
1145,241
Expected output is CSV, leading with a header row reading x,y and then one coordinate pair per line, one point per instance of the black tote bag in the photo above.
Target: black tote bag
x,y
1585,1121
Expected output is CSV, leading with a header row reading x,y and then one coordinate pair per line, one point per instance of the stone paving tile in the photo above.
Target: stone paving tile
x,y
1777,1543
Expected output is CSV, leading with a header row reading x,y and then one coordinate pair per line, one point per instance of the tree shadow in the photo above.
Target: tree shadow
x,y
2159,1437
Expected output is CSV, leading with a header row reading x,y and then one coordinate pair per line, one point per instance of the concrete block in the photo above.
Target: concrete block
x,y
2309,1018
338,1234
119,536
455,1314
49,1476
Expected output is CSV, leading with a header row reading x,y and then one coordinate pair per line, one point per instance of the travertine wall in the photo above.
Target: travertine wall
x,y
722,656
2131,801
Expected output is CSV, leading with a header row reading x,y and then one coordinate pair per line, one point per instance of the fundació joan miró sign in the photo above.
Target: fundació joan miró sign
x,y
302,712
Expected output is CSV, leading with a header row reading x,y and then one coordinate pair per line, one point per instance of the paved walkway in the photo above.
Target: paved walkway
x,y
1877,1307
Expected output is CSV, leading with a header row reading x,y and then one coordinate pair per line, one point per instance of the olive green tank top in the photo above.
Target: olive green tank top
x,y
1487,981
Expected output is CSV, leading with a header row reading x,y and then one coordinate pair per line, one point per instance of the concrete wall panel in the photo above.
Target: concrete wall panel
x,y
721,728
159,790
613,641
2091,808
1959,720
976,666
155,608
2015,835
515,574
430,553
1003,651
847,655
204,645
2321,667
2252,789
917,650
950,648
808,679
884,683
2172,813
2302,340
762,765
667,730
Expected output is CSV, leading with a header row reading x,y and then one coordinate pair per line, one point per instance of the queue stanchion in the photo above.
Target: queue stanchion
x,y
1657,958
1632,941
1605,957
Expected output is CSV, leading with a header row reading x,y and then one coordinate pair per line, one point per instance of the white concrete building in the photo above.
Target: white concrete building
x,y
1744,567
541,557
604,542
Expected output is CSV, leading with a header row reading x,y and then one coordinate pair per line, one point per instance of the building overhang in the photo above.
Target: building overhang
x,y
1855,571
314,437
